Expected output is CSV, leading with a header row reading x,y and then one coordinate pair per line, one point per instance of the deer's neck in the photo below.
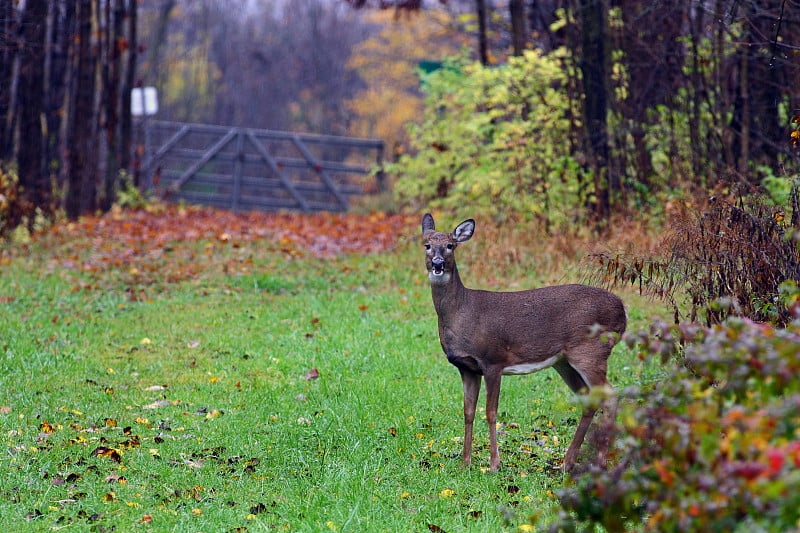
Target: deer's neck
x,y
448,297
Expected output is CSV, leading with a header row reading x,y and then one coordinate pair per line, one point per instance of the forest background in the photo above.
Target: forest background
x,y
649,100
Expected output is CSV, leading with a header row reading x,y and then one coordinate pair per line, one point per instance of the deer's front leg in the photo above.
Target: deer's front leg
x,y
472,387
492,400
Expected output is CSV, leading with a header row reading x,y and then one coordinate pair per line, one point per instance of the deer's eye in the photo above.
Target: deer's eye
x,y
427,246
450,246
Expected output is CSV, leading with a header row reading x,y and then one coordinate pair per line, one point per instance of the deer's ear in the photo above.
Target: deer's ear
x,y
464,231
427,223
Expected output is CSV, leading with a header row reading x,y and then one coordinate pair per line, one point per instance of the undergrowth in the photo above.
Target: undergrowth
x,y
733,256
713,446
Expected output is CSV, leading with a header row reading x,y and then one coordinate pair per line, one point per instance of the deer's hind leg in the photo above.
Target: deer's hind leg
x,y
585,367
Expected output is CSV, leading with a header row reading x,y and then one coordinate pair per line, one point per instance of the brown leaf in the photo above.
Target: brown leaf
x,y
311,375
109,453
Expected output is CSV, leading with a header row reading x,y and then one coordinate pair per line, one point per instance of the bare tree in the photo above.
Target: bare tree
x,y
8,55
593,16
81,139
58,77
32,177
761,76
649,38
519,31
128,82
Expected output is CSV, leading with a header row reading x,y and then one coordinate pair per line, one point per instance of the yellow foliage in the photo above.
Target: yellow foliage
x,y
191,78
388,64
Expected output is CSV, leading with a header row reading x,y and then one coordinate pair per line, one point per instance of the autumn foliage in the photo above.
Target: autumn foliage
x,y
714,446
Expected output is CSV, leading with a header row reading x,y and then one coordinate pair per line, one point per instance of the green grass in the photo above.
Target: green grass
x,y
295,394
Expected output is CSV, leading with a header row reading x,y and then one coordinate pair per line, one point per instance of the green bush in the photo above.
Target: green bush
x,y
715,446
495,139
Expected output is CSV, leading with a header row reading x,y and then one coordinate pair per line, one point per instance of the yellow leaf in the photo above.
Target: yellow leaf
x,y
446,493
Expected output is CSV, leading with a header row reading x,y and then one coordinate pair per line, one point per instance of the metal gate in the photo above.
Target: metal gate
x,y
251,169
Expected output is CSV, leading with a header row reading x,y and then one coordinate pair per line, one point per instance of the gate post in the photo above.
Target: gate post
x,y
237,170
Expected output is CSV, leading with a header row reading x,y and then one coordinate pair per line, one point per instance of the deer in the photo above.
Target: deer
x,y
486,334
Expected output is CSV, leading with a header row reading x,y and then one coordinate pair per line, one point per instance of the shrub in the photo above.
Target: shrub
x,y
731,258
494,139
715,446
13,209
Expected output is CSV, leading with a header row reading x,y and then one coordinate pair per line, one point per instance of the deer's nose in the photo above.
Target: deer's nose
x,y
438,262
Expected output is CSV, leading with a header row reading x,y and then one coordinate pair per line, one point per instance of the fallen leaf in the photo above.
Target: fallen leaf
x,y
109,453
311,374
258,509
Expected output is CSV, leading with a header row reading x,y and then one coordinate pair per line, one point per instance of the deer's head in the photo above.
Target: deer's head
x,y
440,259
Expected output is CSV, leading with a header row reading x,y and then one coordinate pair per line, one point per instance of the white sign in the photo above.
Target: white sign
x,y
144,101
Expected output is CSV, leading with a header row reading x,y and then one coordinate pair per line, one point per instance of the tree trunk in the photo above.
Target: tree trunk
x,y
33,179
112,66
594,21
82,187
126,119
483,42
519,33
8,54
698,92
62,17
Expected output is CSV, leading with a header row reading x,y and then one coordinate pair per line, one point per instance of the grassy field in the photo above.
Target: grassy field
x,y
207,382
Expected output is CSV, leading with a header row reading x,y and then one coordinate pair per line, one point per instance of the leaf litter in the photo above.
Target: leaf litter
x,y
173,243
